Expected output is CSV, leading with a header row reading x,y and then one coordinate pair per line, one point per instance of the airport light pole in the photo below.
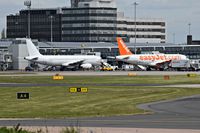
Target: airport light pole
x,y
189,28
51,17
135,5
174,38
28,4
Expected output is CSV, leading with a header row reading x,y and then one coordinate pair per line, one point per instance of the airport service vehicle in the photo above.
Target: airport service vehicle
x,y
108,67
84,61
158,61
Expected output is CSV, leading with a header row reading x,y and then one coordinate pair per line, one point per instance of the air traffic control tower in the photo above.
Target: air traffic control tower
x,y
74,3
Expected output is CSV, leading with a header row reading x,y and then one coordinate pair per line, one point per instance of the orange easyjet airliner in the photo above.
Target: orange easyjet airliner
x,y
146,61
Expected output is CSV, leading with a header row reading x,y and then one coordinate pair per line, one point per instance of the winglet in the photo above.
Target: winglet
x,y
123,49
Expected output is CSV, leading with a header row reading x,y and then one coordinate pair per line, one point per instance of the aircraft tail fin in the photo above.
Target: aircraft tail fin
x,y
32,50
123,49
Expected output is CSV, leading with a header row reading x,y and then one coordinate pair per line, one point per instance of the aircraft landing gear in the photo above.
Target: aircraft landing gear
x,y
148,69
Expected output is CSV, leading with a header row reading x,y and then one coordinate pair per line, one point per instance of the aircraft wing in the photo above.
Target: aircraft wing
x,y
114,57
111,57
141,67
159,63
73,62
31,58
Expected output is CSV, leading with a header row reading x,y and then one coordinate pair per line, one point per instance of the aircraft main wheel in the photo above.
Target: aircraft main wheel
x,y
148,69
161,69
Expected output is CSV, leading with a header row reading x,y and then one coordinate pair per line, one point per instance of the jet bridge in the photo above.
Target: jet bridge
x,y
5,61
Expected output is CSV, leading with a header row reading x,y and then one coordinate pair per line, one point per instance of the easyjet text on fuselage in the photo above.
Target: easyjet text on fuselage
x,y
159,57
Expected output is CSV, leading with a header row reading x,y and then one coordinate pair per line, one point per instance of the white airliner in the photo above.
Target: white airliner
x,y
146,61
84,61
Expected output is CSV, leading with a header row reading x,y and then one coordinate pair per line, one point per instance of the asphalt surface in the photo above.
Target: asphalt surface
x,y
177,114
75,84
83,85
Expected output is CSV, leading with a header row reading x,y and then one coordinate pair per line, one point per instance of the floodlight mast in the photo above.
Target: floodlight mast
x,y
28,4
135,5
189,25
51,17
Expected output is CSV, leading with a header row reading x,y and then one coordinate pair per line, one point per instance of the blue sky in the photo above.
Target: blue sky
x,y
176,13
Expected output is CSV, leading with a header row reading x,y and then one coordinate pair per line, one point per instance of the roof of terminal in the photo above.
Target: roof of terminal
x,y
103,45
4,43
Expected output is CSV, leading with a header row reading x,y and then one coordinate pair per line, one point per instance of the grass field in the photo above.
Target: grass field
x,y
57,102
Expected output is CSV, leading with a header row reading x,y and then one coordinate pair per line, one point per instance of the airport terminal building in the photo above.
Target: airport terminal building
x,y
40,24
87,27
147,30
12,52
98,26
84,21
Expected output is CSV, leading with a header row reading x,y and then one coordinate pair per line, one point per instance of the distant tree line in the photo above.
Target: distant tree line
x,y
3,34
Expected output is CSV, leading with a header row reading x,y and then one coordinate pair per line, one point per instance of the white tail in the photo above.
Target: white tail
x,y
32,50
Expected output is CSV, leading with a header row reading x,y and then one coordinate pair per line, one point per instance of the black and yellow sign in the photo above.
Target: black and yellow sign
x,y
23,95
78,89
58,77
191,75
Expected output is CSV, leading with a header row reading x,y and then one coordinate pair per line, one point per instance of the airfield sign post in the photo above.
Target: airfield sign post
x,y
23,95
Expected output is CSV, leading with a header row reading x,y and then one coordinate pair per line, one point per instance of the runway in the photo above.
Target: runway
x,y
70,85
181,113
97,84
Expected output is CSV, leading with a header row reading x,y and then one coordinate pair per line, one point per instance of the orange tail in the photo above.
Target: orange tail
x,y
123,49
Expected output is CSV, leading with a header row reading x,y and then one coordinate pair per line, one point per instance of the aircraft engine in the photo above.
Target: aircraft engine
x,y
86,66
